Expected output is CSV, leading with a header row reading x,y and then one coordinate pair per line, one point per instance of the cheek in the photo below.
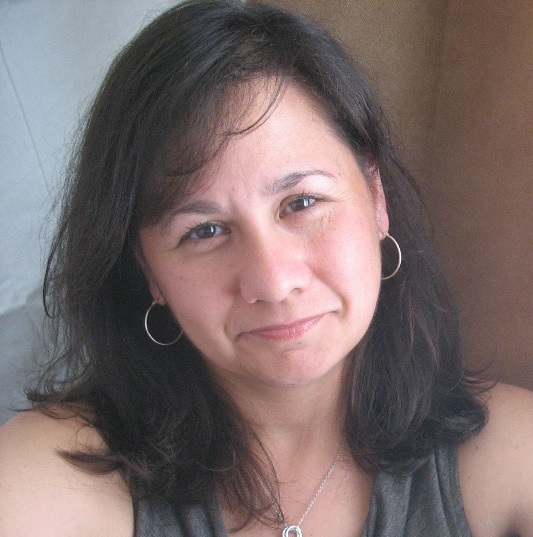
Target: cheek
x,y
350,259
352,244
196,299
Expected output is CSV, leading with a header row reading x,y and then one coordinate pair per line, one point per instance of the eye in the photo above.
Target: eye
x,y
299,203
204,231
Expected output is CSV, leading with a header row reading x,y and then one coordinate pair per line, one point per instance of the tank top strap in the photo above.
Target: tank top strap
x,y
161,519
426,502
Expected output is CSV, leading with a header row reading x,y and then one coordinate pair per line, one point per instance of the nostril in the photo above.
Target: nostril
x,y
271,275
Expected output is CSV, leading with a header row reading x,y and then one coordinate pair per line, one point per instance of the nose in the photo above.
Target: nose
x,y
273,265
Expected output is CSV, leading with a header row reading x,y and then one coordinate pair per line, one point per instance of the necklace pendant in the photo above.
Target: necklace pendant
x,y
289,531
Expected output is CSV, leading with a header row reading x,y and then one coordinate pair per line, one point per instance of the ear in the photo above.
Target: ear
x,y
155,291
380,203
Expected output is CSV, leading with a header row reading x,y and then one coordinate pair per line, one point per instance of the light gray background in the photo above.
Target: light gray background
x,y
54,53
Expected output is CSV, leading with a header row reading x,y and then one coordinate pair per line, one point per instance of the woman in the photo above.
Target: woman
x,y
240,348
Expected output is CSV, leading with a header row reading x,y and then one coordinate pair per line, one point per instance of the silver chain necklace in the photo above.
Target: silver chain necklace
x,y
295,530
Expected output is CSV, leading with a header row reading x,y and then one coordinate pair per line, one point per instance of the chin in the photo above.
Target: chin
x,y
306,372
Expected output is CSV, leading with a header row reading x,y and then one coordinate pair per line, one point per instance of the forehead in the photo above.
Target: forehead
x,y
269,126
292,131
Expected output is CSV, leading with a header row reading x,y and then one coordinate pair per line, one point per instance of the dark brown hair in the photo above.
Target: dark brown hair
x,y
168,104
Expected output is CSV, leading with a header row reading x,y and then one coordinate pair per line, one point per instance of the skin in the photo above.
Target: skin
x,y
267,268
262,261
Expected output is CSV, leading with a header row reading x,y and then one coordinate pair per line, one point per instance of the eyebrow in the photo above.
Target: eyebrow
x,y
193,207
288,181
197,207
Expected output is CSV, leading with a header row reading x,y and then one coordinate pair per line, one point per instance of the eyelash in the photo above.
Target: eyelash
x,y
197,227
304,196
315,199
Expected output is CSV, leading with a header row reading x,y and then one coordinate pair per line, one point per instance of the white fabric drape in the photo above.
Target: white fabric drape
x,y
53,54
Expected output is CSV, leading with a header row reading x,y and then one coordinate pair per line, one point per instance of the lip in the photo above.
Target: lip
x,y
284,332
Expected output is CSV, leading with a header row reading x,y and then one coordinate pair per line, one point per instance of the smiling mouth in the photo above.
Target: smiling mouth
x,y
287,331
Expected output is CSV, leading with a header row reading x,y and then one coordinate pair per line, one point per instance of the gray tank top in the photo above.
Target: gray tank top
x,y
426,502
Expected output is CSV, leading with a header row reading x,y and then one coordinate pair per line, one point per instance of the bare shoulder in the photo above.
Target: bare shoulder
x,y
42,494
496,466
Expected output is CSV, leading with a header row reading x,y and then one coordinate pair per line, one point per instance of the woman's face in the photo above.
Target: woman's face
x,y
272,268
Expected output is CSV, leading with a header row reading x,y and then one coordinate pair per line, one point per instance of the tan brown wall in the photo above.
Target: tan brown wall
x,y
481,184
399,44
456,78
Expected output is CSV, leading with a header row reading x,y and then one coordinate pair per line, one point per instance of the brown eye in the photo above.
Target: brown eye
x,y
207,231
299,204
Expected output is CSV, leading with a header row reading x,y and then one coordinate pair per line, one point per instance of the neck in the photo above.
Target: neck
x,y
300,427
287,409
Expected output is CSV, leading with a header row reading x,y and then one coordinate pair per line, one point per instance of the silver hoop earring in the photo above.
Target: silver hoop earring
x,y
148,331
399,257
